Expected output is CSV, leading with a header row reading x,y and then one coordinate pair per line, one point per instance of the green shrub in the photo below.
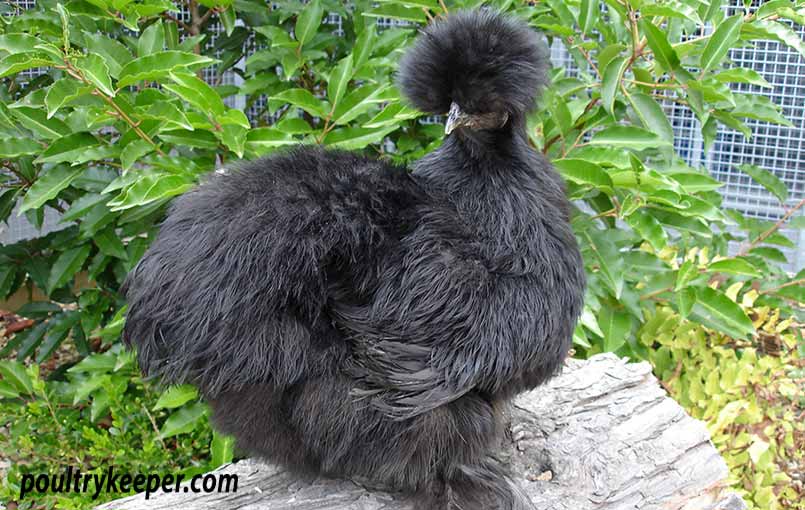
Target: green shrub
x,y
119,122
749,394
55,424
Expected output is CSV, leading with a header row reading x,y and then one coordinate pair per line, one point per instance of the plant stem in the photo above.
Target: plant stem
x,y
76,73
774,228
801,281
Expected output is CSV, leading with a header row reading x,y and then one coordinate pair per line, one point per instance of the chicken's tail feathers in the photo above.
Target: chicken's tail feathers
x,y
486,485
470,51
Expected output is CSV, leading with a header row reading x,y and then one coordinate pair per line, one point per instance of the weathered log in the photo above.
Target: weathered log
x,y
602,435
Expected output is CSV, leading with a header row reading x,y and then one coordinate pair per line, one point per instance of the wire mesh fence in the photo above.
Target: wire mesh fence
x,y
779,149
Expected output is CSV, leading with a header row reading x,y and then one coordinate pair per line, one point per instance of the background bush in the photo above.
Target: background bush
x,y
119,121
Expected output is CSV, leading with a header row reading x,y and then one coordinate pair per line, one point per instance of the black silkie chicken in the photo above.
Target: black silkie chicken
x,y
345,317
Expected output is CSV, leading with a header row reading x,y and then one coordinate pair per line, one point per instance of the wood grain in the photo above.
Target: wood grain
x,y
603,435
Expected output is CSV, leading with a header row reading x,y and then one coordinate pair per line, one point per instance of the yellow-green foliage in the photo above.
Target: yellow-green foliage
x,y
750,394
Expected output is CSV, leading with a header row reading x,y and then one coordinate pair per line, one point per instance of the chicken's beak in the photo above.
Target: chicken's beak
x,y
455,118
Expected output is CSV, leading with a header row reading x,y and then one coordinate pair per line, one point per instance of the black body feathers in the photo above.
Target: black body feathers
x,y
345,317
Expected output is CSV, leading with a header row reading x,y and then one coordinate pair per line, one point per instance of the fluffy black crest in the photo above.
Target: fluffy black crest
x,y
482,60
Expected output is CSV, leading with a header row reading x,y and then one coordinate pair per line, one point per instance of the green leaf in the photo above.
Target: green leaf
x,y
652,116
234,138
262,141
724,38
671,9
685,299
716,311
580,337
196,92
693,182
68,148
363,46
151,40
759,108
197,138
609,261
114,54
421,4
8,391
767,252
795,292
583,172
293,126
629,137
65,25
176,396
772,30
82,206
222,449
158,66
48,185
737,266
228,18
62,92
151,187
12,148
31,341
772,7
616,326
339,79
15,375
588,15
235,118
611,80
66,266
713,8
37,121
684,224
184,420
400,12
713,91
14,63
394,113
687,272
353,138
96,71
303,99
609,52
742,75
308,21
649,228
110,244
356,103
732,122
133,151
95,363
19,43
658,42
768,180
59,328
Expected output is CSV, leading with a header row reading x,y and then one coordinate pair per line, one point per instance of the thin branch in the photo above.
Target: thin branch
x,y
444,7
179,22
774,228
76,73
793,283
657,85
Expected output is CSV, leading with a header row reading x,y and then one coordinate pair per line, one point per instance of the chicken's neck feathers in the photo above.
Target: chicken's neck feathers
x,y
506,196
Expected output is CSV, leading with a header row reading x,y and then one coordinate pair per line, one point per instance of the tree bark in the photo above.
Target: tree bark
x,y
603,435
